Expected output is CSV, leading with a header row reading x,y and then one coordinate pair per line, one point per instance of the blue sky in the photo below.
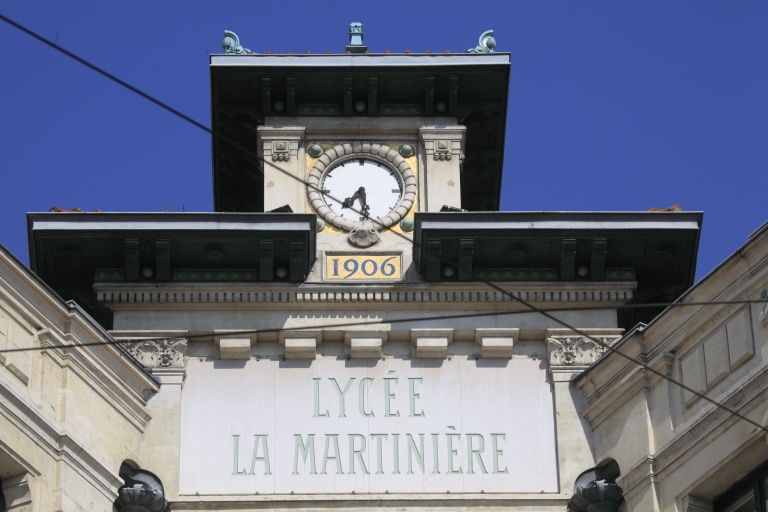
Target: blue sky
x,y
613,105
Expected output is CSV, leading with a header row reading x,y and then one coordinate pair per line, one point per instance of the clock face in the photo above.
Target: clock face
x,y
361,187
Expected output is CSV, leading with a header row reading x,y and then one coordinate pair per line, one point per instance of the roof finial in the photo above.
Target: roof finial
x,y
356,38
231,44
487,43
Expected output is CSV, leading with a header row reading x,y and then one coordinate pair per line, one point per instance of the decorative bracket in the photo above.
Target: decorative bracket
x,y
568,260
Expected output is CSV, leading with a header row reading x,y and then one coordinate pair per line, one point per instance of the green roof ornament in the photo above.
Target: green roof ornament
x,y
356,38
231,44
487,43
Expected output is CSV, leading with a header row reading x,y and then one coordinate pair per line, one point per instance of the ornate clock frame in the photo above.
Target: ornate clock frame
x,y
379,152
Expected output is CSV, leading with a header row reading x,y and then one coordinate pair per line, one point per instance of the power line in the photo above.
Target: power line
x,y
530,306
396,321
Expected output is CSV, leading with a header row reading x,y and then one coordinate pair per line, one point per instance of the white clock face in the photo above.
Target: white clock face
x,y
361,185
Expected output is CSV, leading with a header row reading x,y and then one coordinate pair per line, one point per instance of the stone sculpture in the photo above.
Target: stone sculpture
x,y
486,43
231,44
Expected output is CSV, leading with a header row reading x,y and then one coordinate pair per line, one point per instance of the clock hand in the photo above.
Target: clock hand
x,y
359,196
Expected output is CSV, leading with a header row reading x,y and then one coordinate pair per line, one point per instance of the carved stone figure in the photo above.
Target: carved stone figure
x,y
142,492
596,490
486,43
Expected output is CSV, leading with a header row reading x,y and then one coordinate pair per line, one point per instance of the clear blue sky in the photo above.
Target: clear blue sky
x,y
613,105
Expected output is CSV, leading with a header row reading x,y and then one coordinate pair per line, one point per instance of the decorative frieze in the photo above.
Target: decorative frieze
x,y
221,295
566,348
159,353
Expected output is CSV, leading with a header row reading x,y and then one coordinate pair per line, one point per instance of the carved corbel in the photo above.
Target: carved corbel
x,y
300,344
596,490
142,492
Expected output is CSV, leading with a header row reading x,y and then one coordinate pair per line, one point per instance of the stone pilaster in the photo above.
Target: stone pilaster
x,y
569,354
444,154
284,167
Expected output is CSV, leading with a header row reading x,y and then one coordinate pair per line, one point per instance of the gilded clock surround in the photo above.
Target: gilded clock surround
x,y
375,151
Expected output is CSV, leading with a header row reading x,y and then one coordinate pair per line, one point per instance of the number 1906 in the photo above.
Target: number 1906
x,y
363,267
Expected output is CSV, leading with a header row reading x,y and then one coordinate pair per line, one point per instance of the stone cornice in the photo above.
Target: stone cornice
x,y
232,293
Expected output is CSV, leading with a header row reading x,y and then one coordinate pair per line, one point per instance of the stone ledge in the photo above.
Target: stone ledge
x,y
133,294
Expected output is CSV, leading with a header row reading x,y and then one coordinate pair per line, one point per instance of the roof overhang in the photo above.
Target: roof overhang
x,y
472,88
71,251
657,250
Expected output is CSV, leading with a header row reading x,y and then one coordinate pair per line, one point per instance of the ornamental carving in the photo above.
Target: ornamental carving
x,y
142,492
577,350
486,44
231,44
159,353
596,496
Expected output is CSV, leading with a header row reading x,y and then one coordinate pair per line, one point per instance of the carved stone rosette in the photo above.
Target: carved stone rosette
x,y
577,350
168,353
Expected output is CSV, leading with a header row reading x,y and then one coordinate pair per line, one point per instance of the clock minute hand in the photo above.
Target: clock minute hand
x,y
358,195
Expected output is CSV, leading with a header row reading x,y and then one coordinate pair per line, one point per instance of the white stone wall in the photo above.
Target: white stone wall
x,y
69,416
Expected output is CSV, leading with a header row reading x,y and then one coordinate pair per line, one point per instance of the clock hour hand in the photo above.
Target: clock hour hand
x,y
357,196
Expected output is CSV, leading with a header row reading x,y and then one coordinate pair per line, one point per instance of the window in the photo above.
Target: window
x,y
749,495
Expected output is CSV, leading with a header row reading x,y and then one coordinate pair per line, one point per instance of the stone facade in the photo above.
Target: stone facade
x,y
70,414
676,450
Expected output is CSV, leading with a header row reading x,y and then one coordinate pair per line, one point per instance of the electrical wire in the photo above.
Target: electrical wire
x,y
382,321
250,153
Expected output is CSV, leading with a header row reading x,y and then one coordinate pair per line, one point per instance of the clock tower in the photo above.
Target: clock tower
x,y
362,140
356,324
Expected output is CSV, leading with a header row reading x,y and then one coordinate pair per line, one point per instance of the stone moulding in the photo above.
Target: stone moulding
x,y
379,152
120,295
